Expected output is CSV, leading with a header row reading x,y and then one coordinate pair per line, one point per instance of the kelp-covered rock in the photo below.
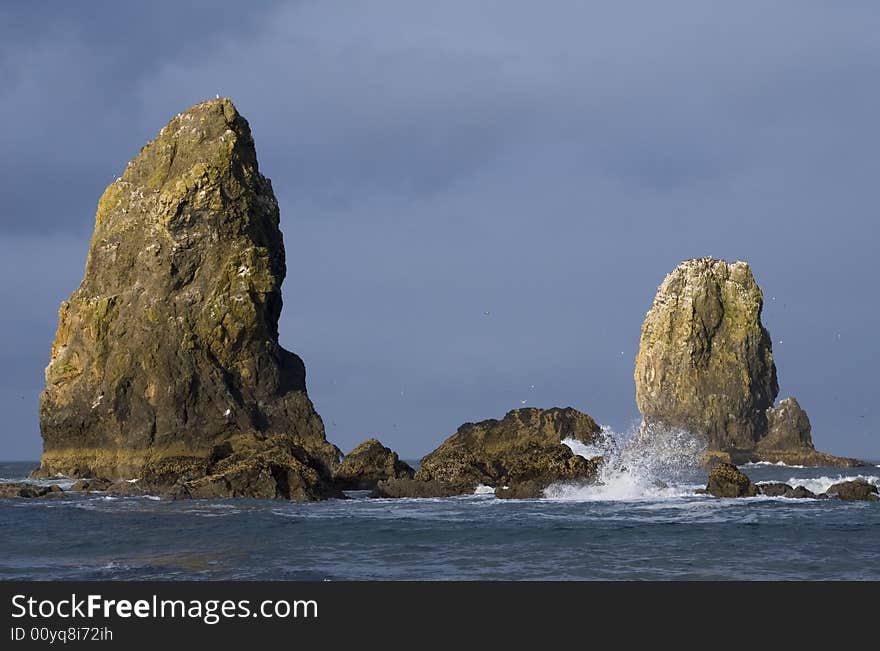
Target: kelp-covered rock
x,y
705,365
169,347
368,464
726,480
856,489
525,446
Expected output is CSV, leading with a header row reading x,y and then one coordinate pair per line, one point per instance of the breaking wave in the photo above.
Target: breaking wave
x,y
780,464
822,484
648,463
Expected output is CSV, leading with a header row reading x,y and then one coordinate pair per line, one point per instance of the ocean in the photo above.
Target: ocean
x,y
629,528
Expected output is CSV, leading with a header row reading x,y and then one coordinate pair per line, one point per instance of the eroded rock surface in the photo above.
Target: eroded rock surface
x,y
167,356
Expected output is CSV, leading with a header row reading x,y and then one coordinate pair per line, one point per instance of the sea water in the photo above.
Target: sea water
x,y
642,521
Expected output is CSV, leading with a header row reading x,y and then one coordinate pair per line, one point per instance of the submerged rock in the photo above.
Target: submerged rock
x,y
856,489
525,446
705,365
368,464
168,350
414,488
726,480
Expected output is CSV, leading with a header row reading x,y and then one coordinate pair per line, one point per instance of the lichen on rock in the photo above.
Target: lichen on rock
x,y
169,347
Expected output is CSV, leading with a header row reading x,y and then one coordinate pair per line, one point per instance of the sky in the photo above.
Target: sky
x,y
478,199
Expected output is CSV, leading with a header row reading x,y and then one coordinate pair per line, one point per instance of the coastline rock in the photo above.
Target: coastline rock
x,y
726,480
800,492
773,488
525,446
368,464
415,488
789,439
780,489
705,365
20,489
88,485
857,489
168,351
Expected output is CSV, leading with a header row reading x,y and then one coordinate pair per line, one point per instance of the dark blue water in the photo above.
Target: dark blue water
x,y
620,531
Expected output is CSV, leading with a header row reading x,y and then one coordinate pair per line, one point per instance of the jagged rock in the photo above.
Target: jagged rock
x,y
20,489
774,488
726,480
87,485
856,489
525,446
168,350
800,492
705,364
415,488
789,439
780,489
368,464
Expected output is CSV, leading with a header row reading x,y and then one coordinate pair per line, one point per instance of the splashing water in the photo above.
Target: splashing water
x,y
648,463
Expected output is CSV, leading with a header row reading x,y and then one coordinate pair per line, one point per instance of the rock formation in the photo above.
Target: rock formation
x,y
856,489
705,364
166,364
368,464
525,446
789,439
726,480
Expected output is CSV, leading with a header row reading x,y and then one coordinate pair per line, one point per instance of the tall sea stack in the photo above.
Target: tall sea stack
x,y
705,364
166,365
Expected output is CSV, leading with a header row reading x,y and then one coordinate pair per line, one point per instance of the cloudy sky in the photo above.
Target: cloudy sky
x,y
545,163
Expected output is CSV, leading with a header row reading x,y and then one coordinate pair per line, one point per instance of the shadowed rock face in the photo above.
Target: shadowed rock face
x,y
705,364
166,359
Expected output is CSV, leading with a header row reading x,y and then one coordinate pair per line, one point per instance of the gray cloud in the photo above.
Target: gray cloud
x,y
546,164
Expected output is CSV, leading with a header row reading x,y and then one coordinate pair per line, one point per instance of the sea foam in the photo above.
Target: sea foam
x,y
648,463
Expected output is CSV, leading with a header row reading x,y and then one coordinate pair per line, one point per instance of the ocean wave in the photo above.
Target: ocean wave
x,y
822,484
780,464
484,490
644,464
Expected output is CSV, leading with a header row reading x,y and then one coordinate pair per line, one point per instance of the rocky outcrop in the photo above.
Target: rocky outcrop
x,y
525,446
705,365
90,485
789,439
856,489
415,488
20,489
368,464
726,480
780,489
166,364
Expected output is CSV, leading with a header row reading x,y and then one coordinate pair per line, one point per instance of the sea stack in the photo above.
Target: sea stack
x,y
705,364
166,365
